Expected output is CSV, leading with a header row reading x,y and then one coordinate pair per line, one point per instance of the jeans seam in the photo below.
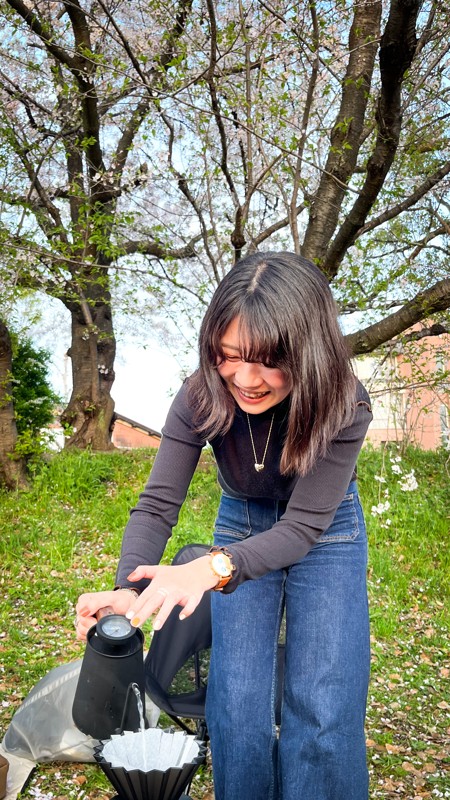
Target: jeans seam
x,y
344,538
274,684
245,529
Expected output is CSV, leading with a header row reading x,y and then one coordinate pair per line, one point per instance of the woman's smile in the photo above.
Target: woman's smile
x,y
254,386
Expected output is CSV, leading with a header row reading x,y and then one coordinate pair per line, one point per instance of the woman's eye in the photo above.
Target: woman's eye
x,y
232,359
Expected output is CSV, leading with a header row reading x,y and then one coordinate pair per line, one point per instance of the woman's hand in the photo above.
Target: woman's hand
x,y
182,585
90,604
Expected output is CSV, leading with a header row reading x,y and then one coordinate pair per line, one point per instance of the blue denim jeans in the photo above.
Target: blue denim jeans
x,y
318,753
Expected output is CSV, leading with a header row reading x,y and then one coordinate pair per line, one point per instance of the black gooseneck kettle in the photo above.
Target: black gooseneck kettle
x,y
105,701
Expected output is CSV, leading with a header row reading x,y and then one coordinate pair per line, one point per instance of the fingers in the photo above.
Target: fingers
x,y
169,587
92,605
150,601
183,584
88,604
82,626
143,571
190,607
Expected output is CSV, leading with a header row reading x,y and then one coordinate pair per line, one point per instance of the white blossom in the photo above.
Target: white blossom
x,y
409,482
380,508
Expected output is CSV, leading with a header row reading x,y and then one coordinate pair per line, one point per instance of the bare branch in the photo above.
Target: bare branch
x,y
397,50
277,226
432,330
149,248
345,139
237,237
303,130
436,298
173,281
185,189
419,192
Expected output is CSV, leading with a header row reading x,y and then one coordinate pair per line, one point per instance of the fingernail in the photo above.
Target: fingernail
x,y
135,621
157,625
129,614
182,616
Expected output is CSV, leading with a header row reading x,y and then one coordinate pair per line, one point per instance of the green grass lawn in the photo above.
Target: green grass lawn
x,y
63,537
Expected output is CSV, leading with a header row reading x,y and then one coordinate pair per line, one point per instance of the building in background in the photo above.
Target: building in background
x,y
409,387
410,391
128,434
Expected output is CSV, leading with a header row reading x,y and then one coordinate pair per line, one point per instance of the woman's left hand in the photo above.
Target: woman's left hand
x,y
182,585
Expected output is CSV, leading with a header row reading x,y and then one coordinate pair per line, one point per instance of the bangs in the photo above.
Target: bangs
x,y
260,341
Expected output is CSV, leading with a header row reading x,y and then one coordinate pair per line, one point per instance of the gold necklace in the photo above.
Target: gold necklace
x,y
259,465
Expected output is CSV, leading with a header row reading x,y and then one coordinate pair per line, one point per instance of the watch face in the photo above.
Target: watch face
x,y
221,565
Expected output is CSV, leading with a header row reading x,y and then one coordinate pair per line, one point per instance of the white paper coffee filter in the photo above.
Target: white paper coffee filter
x,y
151,749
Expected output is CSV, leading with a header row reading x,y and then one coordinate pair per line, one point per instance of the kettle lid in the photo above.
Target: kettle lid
x,y
115,628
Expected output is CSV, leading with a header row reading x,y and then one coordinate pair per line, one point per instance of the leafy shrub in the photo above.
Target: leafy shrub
x,y
33,397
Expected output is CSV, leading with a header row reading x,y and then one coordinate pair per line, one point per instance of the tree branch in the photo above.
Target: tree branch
x,y
237,237
345,139
185,189
276,226
419,192
436,298
149,248
397,51
434,330
303,129
45,33
45,211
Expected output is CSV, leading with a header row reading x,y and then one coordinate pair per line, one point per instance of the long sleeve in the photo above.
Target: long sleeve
x,y
311,501
310,509
156,513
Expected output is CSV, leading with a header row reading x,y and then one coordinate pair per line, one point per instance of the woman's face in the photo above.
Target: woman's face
x,y
254,386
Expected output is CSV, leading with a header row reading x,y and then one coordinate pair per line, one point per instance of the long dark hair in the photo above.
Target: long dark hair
x,y
288,319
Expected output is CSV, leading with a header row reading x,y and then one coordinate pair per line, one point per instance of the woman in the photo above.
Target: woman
x,y
276,398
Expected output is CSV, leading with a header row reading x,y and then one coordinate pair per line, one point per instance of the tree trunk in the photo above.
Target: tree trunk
x,y
397,48
91,407
345,139
12,468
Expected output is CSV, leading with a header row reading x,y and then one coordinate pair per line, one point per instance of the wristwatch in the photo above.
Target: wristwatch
x,y
222,566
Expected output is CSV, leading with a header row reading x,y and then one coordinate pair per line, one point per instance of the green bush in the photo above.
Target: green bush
x,y
34,399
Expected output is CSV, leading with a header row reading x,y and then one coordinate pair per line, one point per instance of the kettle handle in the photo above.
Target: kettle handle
x,y
105,612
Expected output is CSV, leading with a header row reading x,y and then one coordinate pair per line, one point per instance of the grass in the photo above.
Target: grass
x,y
63,537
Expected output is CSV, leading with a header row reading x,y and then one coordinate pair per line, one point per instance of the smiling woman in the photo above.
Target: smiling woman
x,y
278,312
275,397
255,386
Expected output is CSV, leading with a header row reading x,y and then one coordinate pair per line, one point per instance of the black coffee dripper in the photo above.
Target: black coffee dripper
x,y
157,782
105,702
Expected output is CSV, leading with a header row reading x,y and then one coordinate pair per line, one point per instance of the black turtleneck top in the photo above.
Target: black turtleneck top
x,y
311,500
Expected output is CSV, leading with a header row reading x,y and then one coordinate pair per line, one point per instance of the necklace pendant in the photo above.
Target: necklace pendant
x,y
259,466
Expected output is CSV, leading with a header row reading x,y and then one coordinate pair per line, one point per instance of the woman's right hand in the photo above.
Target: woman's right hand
x,y
90,605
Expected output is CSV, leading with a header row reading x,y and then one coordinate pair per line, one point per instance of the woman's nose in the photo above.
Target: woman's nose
x,y
248,375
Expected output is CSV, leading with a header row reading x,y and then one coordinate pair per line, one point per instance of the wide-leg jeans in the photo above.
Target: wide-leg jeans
x,y
318,751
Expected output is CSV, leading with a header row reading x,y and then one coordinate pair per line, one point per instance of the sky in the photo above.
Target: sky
x,y
148,372
146,381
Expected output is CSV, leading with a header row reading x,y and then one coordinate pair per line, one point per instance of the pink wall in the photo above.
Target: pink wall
x,y
125,435
410,393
